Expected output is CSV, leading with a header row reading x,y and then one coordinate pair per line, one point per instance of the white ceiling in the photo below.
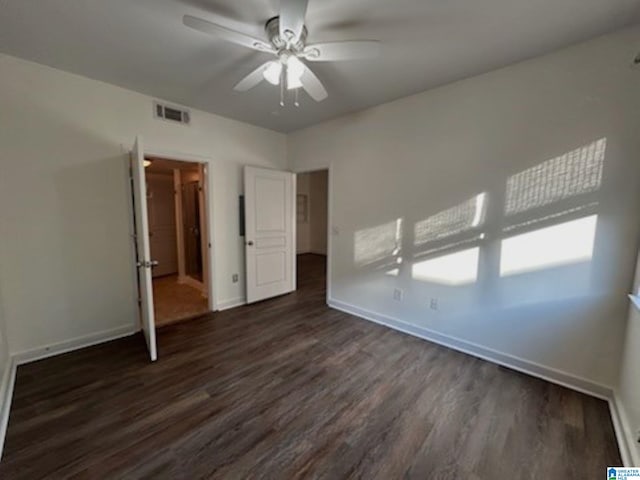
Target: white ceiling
x,y
142,45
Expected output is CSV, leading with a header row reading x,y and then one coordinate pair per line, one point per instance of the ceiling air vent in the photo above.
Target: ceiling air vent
x,y
171,114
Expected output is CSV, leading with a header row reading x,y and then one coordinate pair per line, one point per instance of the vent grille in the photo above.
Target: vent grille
x,y
171,113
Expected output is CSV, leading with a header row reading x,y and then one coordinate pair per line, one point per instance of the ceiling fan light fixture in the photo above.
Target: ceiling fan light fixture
x,y
295,69
272,73
293,83
312,53
286,39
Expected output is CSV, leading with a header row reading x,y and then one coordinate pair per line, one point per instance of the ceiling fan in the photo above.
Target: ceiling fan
x,y
286,40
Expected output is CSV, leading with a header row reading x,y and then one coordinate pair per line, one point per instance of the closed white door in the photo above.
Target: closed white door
x,y
143,248
269,233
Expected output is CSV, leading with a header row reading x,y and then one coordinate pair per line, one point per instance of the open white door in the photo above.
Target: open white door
x,y
143,248
269,233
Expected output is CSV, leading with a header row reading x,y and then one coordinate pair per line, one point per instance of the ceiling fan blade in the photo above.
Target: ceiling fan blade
x,y
226,34
292,13
338,51
312,85
252,80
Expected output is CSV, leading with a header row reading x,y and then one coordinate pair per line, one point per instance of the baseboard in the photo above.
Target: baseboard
x,y
39,353
624,432
6,395
232,303
549,374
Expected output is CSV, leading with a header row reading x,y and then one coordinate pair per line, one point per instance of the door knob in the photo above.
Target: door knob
x,y
250,243
154,263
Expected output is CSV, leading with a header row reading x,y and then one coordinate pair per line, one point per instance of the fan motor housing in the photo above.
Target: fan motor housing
x,y
272,28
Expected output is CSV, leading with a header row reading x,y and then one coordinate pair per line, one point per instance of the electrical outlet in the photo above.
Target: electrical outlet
x,y
397,294
234,278
433,304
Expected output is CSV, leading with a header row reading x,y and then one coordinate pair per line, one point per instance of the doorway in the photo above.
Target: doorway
x,y
178,238
312,212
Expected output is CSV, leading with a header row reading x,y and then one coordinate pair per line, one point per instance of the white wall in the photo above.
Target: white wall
x,y
6,380
312,234
410,159
4,354
628,392
64,199
318,212
303,229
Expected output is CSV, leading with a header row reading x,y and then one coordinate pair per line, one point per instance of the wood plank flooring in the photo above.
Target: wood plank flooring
x,y
289,388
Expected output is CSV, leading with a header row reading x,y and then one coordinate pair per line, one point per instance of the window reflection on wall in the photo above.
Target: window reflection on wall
x,y
454,269
437,237
557,245
463,217
548,219
378,244
569,212
574,173
561,195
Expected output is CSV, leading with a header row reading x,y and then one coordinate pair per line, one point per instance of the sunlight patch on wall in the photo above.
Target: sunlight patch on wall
x,y
458,268
564,213
379,243
452,245
576,172
557,245
461,218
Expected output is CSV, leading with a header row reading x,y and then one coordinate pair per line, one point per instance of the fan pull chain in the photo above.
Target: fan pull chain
x,y
283,77
295,99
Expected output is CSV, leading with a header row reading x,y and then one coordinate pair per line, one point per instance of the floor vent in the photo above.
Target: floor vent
x,y
171,114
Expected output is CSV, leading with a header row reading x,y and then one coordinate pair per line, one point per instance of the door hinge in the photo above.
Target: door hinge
x,y
147,264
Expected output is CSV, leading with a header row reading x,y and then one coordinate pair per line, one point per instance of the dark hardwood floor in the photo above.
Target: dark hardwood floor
x,y
289,388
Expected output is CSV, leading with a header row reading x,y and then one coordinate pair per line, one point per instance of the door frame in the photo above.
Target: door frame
x,y
329,170
209,265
